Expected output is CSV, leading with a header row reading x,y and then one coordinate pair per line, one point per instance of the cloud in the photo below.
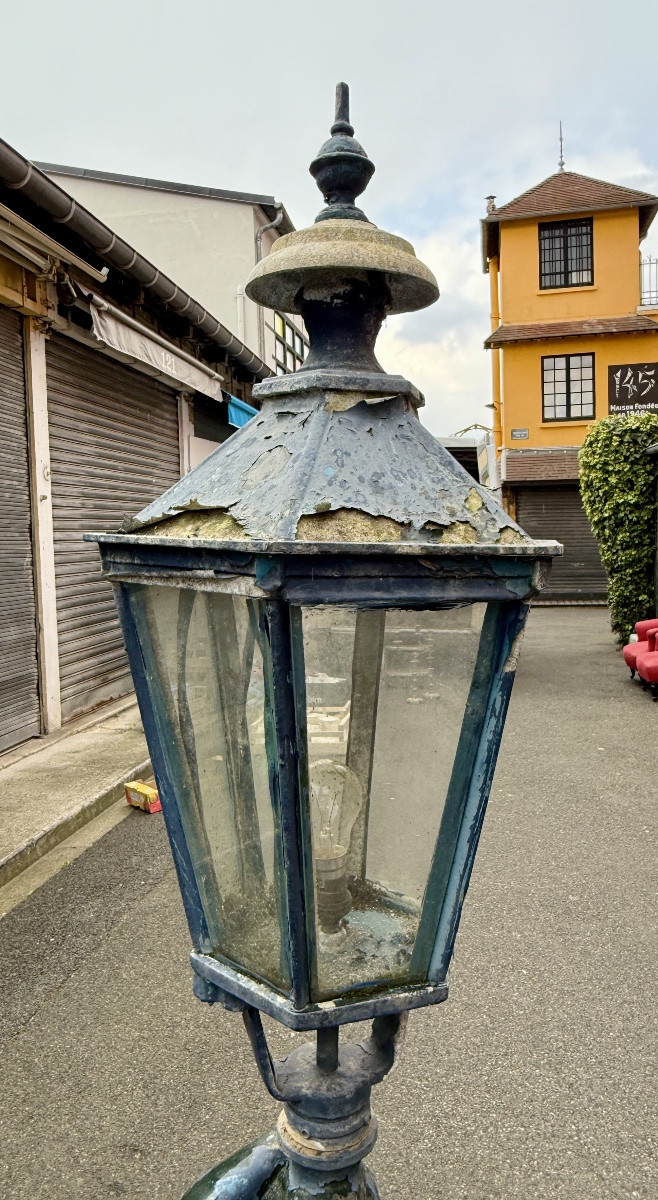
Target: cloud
x,y
440,349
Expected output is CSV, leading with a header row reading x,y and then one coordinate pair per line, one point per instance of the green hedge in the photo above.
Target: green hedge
x,y
617,483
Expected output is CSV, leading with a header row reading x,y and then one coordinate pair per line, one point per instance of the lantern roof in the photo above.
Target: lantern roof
x,y
337,456
332,467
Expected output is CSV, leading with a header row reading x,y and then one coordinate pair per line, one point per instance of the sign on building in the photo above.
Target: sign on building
x,y
633,388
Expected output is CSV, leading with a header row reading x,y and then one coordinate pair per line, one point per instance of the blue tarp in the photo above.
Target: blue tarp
x,y
239,412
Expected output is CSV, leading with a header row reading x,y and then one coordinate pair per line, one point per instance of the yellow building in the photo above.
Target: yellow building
x,y
574,338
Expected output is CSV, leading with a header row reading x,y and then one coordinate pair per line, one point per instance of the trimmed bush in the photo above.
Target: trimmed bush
x,y
617,484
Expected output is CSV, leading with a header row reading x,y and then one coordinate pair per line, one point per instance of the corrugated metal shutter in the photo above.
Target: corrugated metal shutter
x,y
19,695
557,512
113,448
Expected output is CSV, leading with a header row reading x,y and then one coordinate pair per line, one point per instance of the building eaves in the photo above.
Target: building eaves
x,y
24,179
561,194
541,331
544,464
267,203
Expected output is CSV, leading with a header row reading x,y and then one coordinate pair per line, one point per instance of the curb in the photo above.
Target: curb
x,y
35,848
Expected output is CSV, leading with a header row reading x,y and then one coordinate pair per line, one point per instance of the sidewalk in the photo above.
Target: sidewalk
x,y
52,786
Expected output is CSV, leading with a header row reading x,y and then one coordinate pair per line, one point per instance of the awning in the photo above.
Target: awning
x,y
239,412
120,332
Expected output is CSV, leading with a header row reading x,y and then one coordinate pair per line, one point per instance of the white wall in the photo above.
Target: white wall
x,y
205,245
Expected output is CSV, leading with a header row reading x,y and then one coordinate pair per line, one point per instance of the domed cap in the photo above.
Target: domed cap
x,y
343,248
327,255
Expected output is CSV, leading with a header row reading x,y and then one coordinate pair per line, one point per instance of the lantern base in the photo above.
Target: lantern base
x,y
260,1171
220,983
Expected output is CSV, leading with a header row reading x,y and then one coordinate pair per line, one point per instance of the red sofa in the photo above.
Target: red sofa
x,y
630,652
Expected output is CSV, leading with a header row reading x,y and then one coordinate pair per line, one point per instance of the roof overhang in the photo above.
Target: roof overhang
x,y
490,225
543,331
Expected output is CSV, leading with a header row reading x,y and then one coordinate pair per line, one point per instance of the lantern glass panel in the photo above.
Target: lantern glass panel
x,y
385,695
209,693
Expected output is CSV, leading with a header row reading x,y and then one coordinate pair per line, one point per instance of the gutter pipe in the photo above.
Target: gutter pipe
x,y
22,176
259,254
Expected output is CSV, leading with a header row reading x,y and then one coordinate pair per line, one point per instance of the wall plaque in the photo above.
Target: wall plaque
x,y
633,388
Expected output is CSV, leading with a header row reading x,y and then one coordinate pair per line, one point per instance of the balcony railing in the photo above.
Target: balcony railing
x,y
649,281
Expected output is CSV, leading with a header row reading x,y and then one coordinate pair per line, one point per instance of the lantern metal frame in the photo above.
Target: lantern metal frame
x,y
283,575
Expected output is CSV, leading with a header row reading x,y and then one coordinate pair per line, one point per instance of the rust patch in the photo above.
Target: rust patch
x,y
348,525
214,524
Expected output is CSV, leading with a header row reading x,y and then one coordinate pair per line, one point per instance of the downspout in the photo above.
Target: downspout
x,y
495,362
239,300
259,254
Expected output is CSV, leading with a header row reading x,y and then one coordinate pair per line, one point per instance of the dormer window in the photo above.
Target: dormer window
x,y
565,254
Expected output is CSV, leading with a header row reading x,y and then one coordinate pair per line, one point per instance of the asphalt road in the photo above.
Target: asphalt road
x,y
536,1080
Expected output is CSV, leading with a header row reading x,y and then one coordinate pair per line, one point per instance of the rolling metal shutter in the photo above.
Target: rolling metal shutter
x,y
557,512
19,688
113,448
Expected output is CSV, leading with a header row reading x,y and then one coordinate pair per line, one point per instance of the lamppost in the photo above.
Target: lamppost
x,y
323,621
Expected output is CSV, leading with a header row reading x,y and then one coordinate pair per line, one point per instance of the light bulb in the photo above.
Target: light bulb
x,y
336,800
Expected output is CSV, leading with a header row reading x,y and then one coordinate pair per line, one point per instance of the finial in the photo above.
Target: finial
x,y
342,169
342,121
561,158
491,203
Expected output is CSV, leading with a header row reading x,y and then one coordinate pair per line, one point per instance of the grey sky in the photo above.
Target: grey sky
x,y
451,102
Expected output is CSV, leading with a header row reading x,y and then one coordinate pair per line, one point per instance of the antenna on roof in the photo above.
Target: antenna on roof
x,y
561,158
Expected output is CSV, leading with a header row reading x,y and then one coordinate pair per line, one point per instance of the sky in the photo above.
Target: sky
x,y
452,101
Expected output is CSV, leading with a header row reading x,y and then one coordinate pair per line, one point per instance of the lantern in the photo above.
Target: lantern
x,y
323,621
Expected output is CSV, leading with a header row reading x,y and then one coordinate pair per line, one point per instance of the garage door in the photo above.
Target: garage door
x,y
113,448
557,513
19,697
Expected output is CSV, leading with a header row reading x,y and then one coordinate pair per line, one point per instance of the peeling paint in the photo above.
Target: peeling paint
x,y
473,501
306,458
513,656
267,465
541,573
342,401
511,537
460,532
200,523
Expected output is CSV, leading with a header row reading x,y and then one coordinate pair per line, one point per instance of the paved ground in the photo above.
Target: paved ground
x,y
536,1080
51,786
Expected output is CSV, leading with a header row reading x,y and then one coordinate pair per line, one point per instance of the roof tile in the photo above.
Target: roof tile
x,y
567,192
635,323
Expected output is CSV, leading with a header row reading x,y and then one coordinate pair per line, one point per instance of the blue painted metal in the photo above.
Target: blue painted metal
x,y
425,580
295,460
242,1176
239,412
298,679
261,1171
492,638
513,618
342,1011
284,781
